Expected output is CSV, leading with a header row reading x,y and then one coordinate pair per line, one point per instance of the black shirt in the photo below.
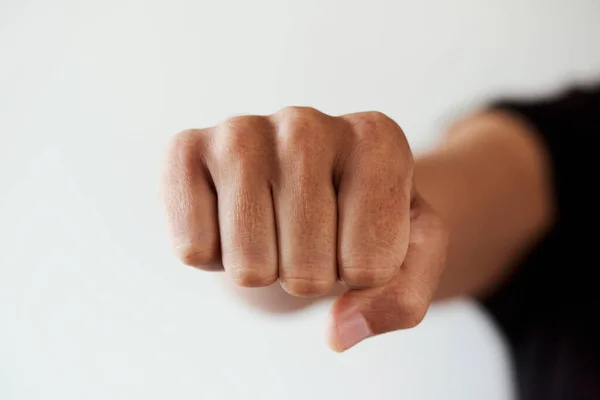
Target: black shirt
x,y
548,309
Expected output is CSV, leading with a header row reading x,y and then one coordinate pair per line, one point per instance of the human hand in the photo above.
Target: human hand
x,y
309,199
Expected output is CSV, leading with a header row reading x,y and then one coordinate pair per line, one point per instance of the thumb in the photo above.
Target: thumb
x,y
403,302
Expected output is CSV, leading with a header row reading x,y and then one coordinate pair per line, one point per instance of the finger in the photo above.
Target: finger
x,y
190,202
305,203
240,165
374,202
403,302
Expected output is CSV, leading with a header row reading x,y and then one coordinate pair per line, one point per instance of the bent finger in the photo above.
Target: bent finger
x,y
190,202
404,301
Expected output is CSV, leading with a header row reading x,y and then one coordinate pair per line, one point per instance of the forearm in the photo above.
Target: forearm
x,y
490,182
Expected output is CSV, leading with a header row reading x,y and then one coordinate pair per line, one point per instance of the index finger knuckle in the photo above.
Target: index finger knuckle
x,y
375,130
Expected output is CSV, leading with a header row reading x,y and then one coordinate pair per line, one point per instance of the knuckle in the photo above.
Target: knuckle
x,y
377,117
250,269
184,147
185,136
245,123
199,258
411,308
295,113
306,287
377,130
239,136
252,276
301,129
363,272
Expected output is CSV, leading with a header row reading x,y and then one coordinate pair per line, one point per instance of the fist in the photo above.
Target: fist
x,y
308,199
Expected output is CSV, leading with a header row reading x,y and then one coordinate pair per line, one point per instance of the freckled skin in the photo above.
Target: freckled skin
x,y
309,200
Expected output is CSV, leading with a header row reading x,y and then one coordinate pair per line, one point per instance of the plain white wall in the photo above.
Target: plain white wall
x,y
92,303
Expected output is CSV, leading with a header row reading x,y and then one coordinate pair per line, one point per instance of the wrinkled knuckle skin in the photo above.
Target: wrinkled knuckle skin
x,y
411,309
365,272
306,287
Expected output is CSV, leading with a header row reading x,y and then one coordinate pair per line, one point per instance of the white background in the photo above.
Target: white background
x,y
93,305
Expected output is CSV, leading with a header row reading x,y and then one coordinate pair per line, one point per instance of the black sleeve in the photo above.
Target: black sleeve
x,y
568,124
546,308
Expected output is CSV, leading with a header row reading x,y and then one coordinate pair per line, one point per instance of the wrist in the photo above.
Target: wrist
x,y
489,181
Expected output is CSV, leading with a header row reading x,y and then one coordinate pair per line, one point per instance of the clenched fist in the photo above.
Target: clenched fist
x,y
309,199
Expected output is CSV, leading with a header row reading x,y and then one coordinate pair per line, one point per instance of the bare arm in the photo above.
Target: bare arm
x,y
489,180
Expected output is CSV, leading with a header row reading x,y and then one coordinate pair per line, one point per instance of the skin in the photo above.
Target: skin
x,y
490,181
309,200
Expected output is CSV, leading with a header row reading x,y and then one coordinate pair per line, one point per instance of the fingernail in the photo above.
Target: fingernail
x,y
351,330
